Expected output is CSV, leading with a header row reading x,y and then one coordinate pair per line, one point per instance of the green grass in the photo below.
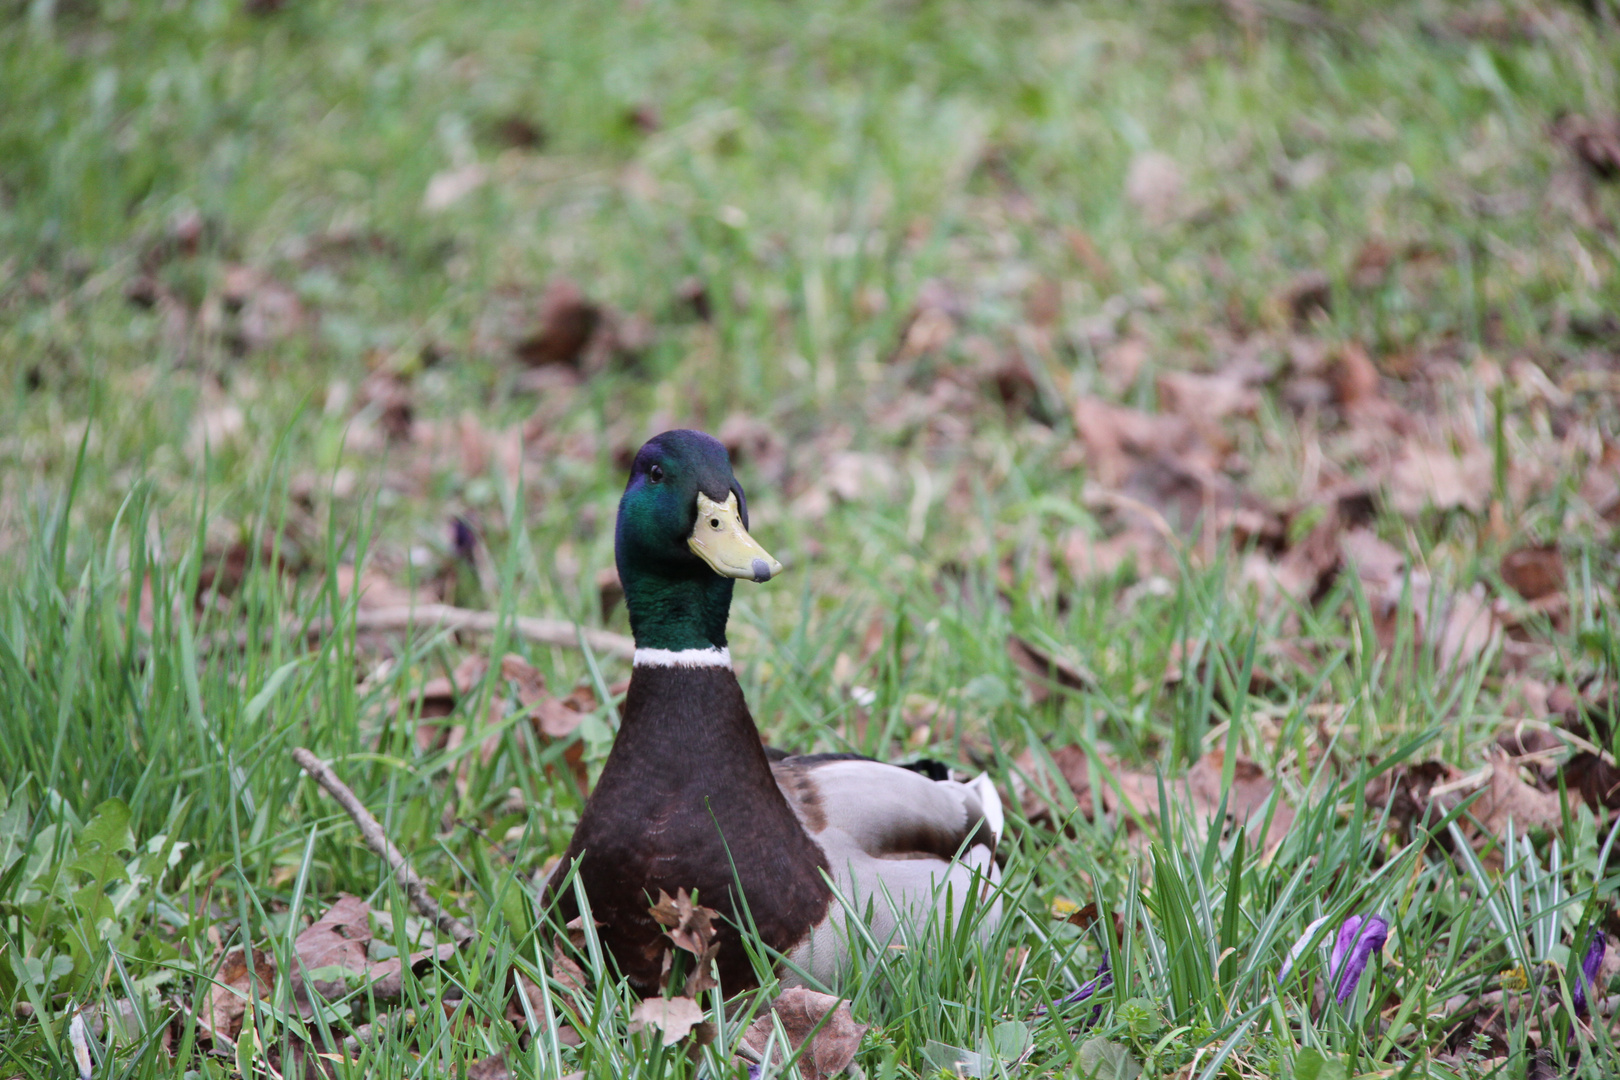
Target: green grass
x,y
814,166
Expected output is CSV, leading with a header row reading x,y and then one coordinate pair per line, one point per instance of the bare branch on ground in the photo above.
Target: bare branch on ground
x,y
377,841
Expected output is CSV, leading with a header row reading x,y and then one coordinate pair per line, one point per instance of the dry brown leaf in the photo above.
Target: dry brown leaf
x,y
1600,487
1354,377
756,444
1509,798
520,132
227,997
493,1067
1433,476
1424,792
450,186
675,1018
1038,802
1116,438
1458,626
1043,303
644,118
824,1020
933,321
554,718
1406,791
375,589
386,400
439,695
1594,141
567,322
1202,398
215,426
1308,296
691,927
1199,792
1307,569
1156,187
1135,545
1596,778
1371,264
385,980
1534,572
563,968
1468,626
338,939
1043,672
264,310
1122,362
1377,563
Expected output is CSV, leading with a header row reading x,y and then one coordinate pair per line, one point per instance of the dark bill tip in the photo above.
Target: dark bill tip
x,y
762,570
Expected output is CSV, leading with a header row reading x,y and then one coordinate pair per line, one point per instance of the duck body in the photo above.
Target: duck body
x,y
686,794
689,799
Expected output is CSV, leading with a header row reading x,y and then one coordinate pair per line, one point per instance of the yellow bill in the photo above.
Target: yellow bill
x,y
720,540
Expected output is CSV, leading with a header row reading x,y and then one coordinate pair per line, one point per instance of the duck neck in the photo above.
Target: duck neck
x,y
693,720
677,614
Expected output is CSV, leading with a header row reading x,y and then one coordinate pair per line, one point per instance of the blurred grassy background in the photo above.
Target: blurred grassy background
x,y
276,284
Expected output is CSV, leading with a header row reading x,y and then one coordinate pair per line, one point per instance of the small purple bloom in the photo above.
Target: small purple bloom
x,y
1101,981
462,538
1358,939
1591,964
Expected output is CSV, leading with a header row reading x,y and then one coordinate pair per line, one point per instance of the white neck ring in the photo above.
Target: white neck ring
x,y
687,658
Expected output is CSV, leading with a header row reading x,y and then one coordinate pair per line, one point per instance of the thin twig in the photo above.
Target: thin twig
x,y
377,841
560,632
541,631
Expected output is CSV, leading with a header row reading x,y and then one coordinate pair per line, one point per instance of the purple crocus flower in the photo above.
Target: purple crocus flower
x,y
463,540
1591,963
1101,981
1358,939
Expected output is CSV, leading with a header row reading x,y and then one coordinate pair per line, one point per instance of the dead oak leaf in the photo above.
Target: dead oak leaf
x,y
1596,778
1210,396
675,1018
493,1067
1595,142
385,979
227,997
1509,798
1433,476
1155,186
555,718
1459,626
1036,787
450,186
822,1021
333,948
690,926
1424,792
1534,572
568,320
265,310
1354,377
1199,792
1045,672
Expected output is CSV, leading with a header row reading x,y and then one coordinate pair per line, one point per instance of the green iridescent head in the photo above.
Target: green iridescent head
x,y
682,540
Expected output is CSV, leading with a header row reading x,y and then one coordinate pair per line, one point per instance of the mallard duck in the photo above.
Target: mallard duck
x,y
690,798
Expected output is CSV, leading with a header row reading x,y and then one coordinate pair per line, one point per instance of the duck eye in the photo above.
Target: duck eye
x,y
714,523
656,473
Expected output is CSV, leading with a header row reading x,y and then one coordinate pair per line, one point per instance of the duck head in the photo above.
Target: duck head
x,y
682,542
